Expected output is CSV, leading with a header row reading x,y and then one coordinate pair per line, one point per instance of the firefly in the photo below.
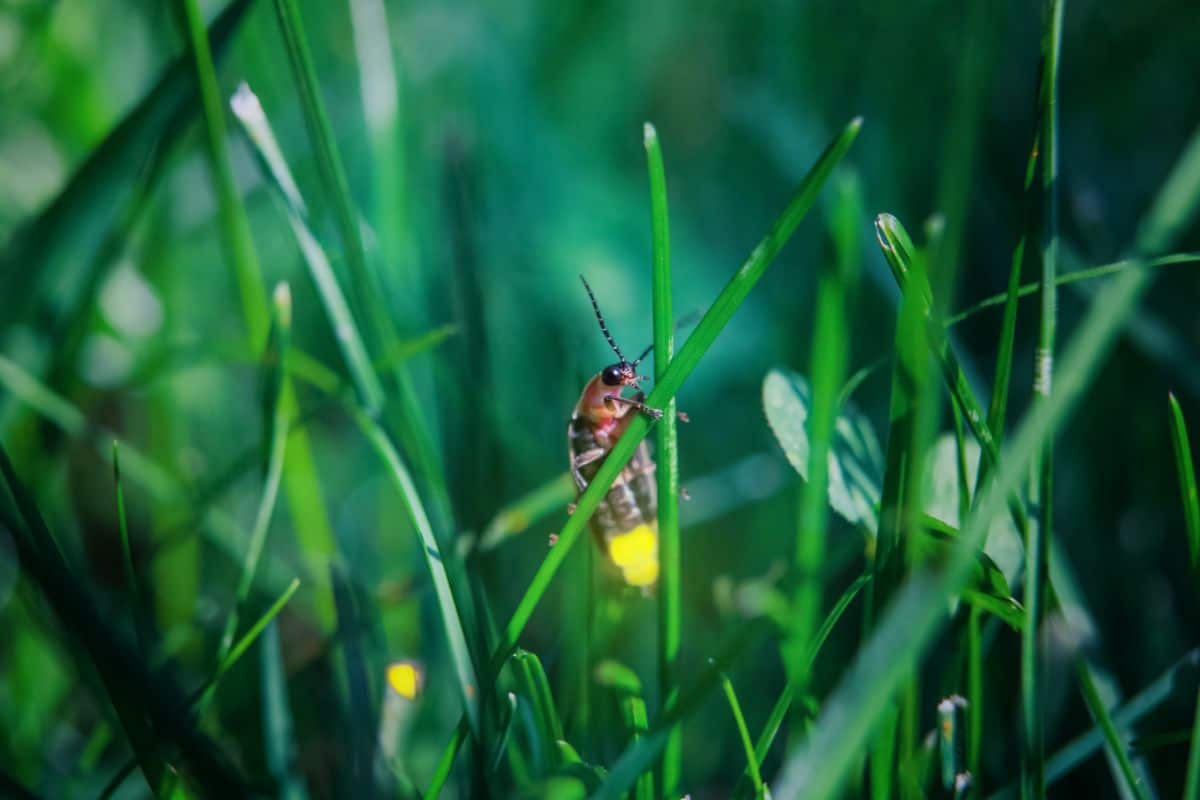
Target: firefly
x,y
625,524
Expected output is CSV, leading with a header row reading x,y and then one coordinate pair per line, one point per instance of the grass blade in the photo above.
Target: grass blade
x,y
706,332
235,227
830,354
917,612
278,734
625,684
136,601
669,604
1112,738
468,684
760,790
276,447
784,703
249,112
1037,537
1187,480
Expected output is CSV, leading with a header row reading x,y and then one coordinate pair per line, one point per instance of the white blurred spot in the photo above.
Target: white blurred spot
x,y
103,361
129,304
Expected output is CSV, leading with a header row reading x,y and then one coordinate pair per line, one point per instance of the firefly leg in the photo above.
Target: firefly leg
x,y
653,413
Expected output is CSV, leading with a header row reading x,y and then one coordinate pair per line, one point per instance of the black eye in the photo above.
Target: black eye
x,y
611,375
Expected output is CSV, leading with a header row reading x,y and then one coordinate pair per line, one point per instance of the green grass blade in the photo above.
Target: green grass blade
x,y
760,790
1037,537
249,112
468,684
132,586
1191,790
276,447
1187,480
829,358
531,677
784,703
279,744
917,612
706,332
329,161
669,601
235,226
1065,279
1112,738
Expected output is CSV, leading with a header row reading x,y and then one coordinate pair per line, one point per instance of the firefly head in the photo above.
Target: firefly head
x,y
620,374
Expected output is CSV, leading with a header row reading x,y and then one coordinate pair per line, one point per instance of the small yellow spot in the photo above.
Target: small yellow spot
x,y
635,552
404,678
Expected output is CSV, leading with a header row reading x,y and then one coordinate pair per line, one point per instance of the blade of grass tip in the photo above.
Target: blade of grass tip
x,y
532,679
829,357
669,605
1187,479
706,332
760,790
912,419
132,586
1191,513
276,446
62,234
820,766
235,226
1125,776
249,112
452,623
1037,543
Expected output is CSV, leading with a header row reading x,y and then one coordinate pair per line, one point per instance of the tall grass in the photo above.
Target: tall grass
x,y
416,499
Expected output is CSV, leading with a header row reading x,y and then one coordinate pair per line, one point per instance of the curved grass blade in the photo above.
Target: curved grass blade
x,y
667,475
706,332
249,112
1075,276
468,684
625,684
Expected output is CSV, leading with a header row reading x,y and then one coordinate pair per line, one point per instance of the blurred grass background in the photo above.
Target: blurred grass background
x,y
495,152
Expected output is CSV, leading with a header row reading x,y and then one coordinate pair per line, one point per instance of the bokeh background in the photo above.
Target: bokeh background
x,y
496,152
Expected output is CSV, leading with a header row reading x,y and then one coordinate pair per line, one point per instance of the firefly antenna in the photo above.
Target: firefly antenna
x,y
645,353
600,318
